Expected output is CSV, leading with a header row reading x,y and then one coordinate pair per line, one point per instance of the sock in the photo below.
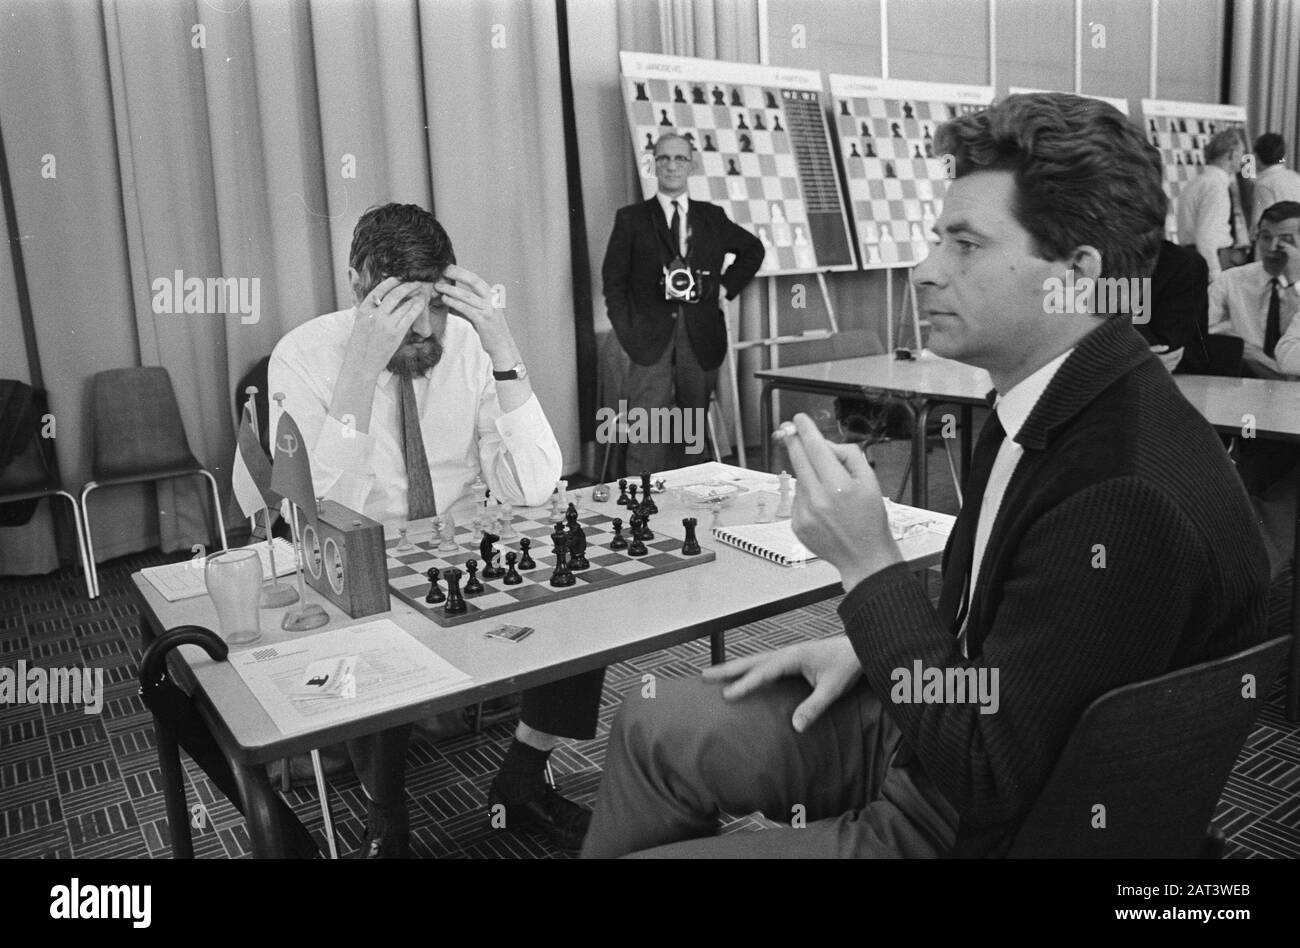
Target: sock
x,y
522,775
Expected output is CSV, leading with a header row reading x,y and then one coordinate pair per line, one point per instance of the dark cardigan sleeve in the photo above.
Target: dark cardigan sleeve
x,y
1066,629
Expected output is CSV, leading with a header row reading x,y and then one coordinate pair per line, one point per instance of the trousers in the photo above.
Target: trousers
x,y
565,708
678,759
676,380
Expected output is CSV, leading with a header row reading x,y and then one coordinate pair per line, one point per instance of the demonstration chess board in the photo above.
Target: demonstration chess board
x,y
1181,130
764,152
885,130
407,581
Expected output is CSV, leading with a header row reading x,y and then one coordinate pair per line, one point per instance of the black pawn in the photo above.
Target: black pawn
x,y
735,97
776,124
622,492
435,594
637,546
631,496
678,95
512,575
525,558
619,542
758,122
646,500
455,601
690,546
472,585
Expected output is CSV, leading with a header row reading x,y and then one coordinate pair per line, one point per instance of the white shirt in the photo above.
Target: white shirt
x,y
683,203
1013,410
465,433
1239,307
1275,183
1204,209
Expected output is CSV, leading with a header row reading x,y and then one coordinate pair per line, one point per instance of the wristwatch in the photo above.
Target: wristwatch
x,y
516,371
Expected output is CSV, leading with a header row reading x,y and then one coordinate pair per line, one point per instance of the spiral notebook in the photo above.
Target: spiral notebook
x,y
777,542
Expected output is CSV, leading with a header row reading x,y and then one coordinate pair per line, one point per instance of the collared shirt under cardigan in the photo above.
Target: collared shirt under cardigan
x,y
465,432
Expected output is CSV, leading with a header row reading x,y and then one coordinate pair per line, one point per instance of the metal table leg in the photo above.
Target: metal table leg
x,y
1293,678
765,425
920,460
260,810
718,647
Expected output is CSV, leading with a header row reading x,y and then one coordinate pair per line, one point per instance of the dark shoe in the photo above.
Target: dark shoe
x,y
561,821
386,837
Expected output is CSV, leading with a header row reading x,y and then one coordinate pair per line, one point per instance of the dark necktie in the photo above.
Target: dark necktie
x,y
1273,326
419,486
961,546
677,229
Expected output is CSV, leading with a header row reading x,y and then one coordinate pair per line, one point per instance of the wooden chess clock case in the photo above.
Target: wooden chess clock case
x,y
346,562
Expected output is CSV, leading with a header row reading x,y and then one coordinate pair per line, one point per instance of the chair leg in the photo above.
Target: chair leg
x,y
81,541
216,503
713,431
90,539
322,791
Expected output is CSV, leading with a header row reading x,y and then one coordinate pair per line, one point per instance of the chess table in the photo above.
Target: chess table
x,y
573,635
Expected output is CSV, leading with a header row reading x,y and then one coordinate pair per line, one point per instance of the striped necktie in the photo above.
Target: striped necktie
x,y
419,487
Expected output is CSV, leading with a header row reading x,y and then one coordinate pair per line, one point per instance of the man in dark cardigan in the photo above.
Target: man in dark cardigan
x,y
1105,539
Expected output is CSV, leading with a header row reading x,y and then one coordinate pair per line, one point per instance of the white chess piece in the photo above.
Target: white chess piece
x,y
800,238
778,214
765,238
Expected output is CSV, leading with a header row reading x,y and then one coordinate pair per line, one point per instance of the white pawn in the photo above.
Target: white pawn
x,y
784,505
447,535
506,513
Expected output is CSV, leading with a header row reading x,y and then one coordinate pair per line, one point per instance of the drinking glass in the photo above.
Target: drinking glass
x,y
234,579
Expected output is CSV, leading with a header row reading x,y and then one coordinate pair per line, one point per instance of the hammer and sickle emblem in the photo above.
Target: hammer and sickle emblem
x,y
289,444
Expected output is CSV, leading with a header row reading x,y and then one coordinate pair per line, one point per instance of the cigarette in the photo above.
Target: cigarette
x,y
785,430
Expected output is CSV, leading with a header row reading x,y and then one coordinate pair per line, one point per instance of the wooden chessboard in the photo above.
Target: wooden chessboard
x,y
406,571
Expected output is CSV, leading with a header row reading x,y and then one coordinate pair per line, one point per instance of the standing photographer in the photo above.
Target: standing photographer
x,y
662,274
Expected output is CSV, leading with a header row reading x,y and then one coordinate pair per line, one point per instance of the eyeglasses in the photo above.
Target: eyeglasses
x,y
674,159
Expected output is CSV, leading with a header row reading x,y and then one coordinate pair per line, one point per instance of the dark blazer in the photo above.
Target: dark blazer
x,y
641,246
1124,548
1180,306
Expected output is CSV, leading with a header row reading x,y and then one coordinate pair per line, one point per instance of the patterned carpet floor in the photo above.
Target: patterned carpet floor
x,y
73,784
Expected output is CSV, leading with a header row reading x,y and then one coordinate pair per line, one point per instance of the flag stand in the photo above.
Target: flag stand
x,y
275,594
311,615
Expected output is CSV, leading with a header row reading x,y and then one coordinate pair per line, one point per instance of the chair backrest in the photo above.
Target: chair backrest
x,y
137,424
1224,356
1147,762
256,376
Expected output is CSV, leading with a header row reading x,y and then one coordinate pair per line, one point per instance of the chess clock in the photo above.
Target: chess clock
x,y
345,559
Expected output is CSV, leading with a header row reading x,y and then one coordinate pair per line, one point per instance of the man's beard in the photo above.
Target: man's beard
x,y
415,357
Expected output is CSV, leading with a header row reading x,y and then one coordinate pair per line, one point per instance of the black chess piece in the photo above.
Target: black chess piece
x,y
771,99
577,545
663,118
717,97
758,122
690,546
889,170
844,106
893,127
871,150
622,492
731,166
735,97
866,130
637,547
619,542
952,111
929,150
526,561
678,95
646,499
697,96
631,497
917,151
853,150
690,137
646,533
776,124
907,110
455,600
512,577
1182,125
487,552
1178,157
562,576
472,585
649,142
745,144
708,143
640,93
927,133
435,594
740,122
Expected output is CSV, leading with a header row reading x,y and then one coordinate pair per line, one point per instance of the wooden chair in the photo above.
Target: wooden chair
x,y
139,437
1151,758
